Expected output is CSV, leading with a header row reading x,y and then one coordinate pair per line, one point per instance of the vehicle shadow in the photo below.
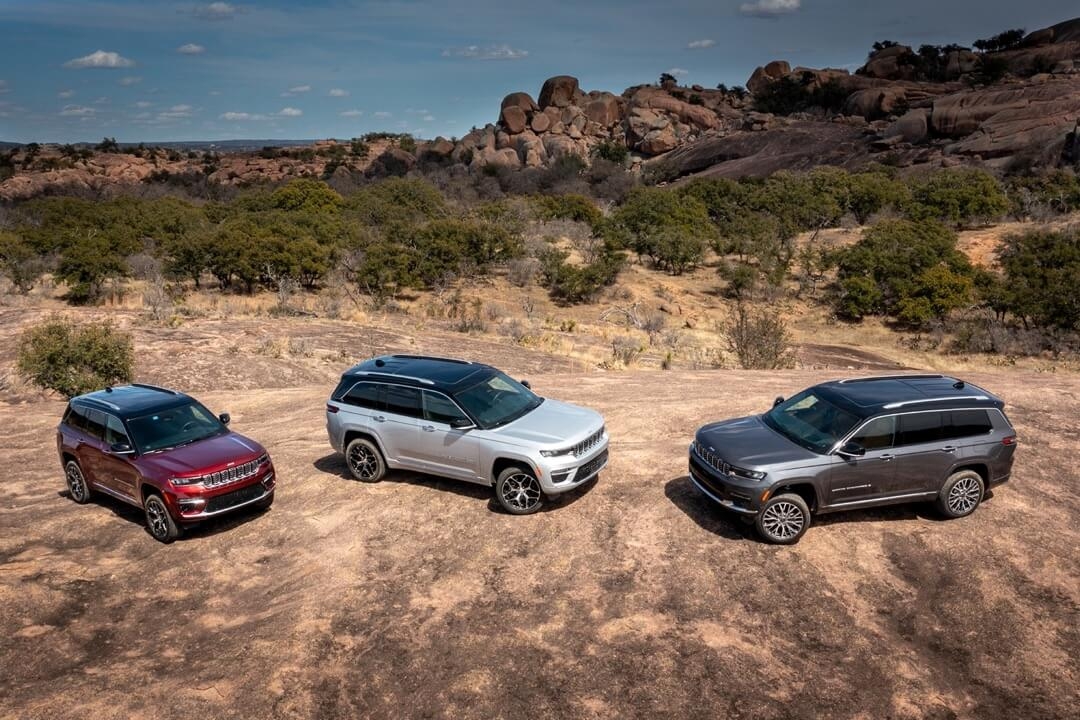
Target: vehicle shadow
x,y
206,528
683,495
334,464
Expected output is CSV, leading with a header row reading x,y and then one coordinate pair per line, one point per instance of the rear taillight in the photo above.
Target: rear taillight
x,y
331,408
1009,440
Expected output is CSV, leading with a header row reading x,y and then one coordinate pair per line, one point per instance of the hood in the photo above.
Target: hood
x,y
209,455
750,443
554,424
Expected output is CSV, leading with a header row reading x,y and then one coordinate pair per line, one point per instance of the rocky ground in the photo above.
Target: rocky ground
x,y
632,597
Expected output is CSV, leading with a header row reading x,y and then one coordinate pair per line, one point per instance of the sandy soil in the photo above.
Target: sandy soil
x,y
633,597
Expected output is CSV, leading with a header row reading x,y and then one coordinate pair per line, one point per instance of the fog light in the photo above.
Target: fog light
x,y
268,481
190,505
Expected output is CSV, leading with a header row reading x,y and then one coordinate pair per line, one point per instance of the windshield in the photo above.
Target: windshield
x,y
176,426
811,421
498,400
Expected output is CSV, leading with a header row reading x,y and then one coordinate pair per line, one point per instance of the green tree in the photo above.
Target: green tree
x,y
961,197
306,195
86,265
72,359
671,228
18,262
1041,269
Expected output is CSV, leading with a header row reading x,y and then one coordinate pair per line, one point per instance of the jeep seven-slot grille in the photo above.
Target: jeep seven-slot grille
x,y
588,443
713,460
233,474
590,468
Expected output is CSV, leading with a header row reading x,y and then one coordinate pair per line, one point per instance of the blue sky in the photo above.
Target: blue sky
x,y
153,71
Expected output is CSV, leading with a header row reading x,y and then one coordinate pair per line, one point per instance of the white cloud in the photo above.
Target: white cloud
x,y
382,115
290,112
4,87
770,8
77,111
191,49
701,44
102,101
216,11
297,90
100,59
338,92
129,81
176,112
678,72
241,116
65,94
351,113
489,52
428,118
143,104
215,93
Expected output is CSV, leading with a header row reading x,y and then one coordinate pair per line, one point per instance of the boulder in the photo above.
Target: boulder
x,y
960,62
521,100
513,119
561,145
762,77
530,149
604,110
913,127
440,147
876,102
502,140
540,123
656,142
890,64
559,91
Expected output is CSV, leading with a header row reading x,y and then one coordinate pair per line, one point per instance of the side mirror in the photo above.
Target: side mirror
x,y
462,424
121,449
779,399
526,383
851,450
224,418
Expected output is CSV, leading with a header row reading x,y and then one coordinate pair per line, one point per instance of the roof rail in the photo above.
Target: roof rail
x,y
871,378
431,357
106,403
425,381
955,398
147,386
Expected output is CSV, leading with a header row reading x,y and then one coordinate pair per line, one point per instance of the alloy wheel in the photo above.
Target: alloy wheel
x,y
963,496
156,518
521,491
76,482
362,462
783,520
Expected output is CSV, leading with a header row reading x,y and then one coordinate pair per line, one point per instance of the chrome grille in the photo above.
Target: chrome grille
x,y
588,443
712,459
233,474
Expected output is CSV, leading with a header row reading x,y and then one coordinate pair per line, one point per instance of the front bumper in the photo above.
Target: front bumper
x,y
721,489
193,507
569,474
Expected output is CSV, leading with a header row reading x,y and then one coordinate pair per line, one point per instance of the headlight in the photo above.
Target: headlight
x,y
186,481
556,453
748,474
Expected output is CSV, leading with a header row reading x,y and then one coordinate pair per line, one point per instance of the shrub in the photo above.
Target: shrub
x,y
19,263
1041,269
670,227
1002,41
86,265
575,284
73,359
960,197
567,207
759,340
612,151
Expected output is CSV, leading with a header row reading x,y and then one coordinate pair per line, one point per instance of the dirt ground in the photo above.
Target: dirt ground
x,y
632,597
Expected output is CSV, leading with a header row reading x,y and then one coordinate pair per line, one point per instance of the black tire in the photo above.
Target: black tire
x,y
783,519
961,494
365,462
518,491
159,522
78,488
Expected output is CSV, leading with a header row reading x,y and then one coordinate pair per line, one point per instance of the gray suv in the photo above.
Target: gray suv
x,y
463,420
853,444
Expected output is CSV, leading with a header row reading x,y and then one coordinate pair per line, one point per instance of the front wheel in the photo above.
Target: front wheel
x,y
518,491
78,488
961,494
783,519
158,520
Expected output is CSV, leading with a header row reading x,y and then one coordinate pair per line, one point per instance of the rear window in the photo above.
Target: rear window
x,y
364,395
402,400
967,423
85,420
919,428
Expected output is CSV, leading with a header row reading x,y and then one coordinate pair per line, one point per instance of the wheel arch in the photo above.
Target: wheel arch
x,y
806,490
501,462
352,434
979,467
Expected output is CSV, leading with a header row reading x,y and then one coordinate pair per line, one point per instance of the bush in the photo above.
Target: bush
x,y
959,197
73,359
19,263
576,284
790,95
759,340
612,151
669,227
1040,286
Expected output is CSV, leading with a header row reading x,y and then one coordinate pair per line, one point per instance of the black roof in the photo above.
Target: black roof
x,y
444,374
874,395
127,401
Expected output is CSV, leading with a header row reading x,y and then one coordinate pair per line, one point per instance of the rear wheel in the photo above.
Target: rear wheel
x,y
158,520
78,489
961,494
364,460
518,491
783,519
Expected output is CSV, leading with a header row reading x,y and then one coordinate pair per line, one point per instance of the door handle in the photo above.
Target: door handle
x,y
886,458
379,418
949,448
428,428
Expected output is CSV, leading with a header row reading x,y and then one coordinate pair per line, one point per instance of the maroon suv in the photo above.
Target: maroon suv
x,y
164,452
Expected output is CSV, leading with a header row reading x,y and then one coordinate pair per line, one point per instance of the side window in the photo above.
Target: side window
x,y
75,418
877,434
967,423
919,428
95,424
114,431
439,408
365,395
402,400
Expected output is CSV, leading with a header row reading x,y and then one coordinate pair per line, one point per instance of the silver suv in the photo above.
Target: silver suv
x,y
854,444
463,420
